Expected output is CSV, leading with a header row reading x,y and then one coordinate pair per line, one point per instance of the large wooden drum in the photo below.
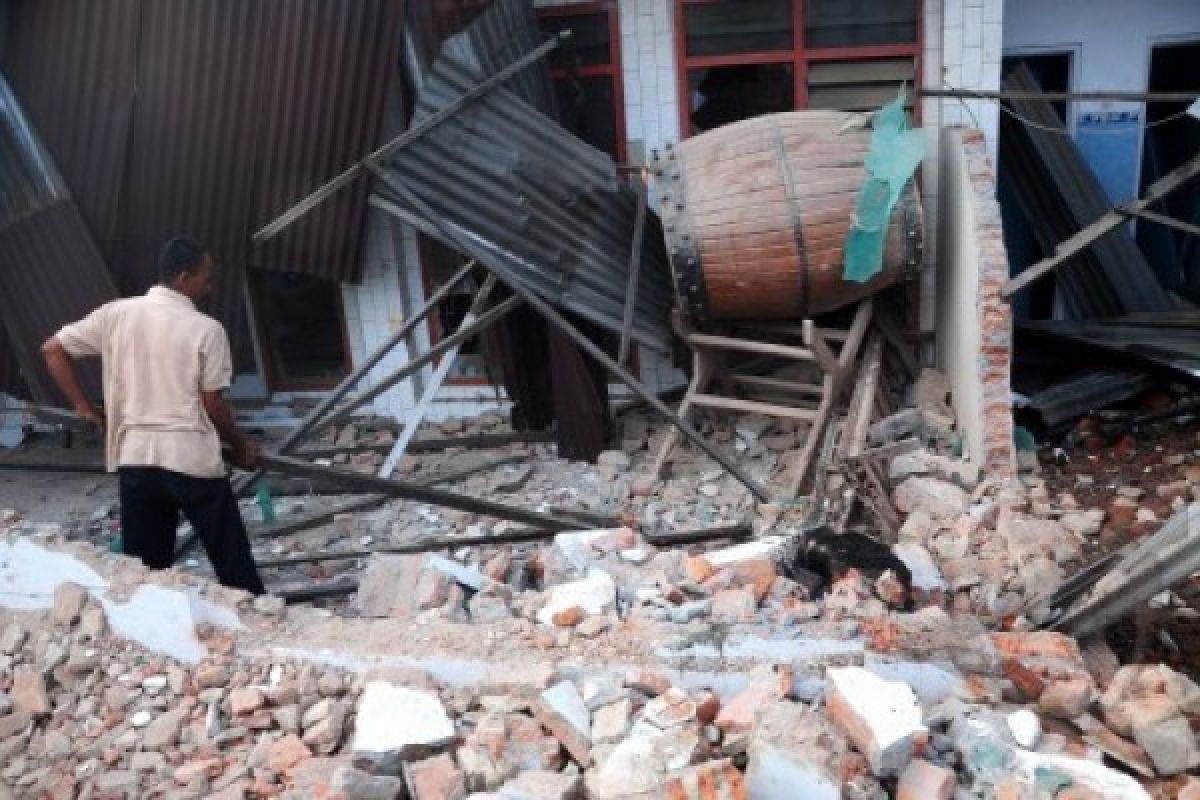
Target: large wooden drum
x,y
756,213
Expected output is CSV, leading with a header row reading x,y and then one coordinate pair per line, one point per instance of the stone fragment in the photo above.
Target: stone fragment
x,y
740,713
882,718
734,605
640,762
595,594
28,693
11,639
269,604
395,725
285,753
561,711
938,499
246,701
1025,727
436,778
358,785
68,602
164,731
387,584
1066,699
542,785
1169,743
924,781
795,753
610,723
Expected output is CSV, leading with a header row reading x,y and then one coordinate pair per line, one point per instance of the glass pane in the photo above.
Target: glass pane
x,y
588,110
859,85
720,95
738,26
302,326
589,41
857,23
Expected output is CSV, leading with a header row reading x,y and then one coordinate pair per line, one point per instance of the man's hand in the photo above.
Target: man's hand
x,y
92,415
246,454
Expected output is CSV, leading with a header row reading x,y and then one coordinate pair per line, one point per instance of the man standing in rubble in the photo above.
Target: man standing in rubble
x,y
166,367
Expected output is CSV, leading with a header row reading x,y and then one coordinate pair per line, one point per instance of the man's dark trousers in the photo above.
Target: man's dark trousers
x,y
151,499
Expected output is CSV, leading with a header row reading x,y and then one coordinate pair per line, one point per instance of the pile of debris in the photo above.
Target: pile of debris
x,y
768,659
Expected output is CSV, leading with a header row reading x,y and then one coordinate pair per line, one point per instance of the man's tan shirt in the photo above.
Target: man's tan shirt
x,y
158,353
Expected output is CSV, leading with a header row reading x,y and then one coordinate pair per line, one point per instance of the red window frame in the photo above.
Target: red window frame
x,y
798,56
612,70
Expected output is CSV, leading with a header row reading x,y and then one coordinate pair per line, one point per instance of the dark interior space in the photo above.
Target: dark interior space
x,y
301,329
721,95
1053,72
1174,254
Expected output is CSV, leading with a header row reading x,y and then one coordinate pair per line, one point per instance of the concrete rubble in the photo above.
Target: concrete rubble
x,y
595,664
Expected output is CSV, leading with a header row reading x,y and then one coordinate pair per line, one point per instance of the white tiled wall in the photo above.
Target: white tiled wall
x,y
963,43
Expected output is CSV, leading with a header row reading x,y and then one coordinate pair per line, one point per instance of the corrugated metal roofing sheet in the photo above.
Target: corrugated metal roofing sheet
x,y
543,207
50,270
1061,196
206,117
72,64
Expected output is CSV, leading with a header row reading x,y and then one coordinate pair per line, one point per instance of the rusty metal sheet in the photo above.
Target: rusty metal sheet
x,y
50,270
201,117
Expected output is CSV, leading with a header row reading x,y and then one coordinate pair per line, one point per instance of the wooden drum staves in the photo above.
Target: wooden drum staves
x,y
756,213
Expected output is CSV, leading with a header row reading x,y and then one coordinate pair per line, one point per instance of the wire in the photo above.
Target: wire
x,y
1066,132
1063,131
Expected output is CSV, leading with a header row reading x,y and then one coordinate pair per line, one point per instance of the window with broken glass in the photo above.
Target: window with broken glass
x,y
587,73
742,58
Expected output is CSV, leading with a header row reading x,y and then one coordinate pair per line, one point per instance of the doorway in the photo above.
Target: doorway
x,y
1170,139
1053,72
301,330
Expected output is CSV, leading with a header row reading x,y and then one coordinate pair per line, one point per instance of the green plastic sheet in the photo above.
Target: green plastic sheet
x,y
895,153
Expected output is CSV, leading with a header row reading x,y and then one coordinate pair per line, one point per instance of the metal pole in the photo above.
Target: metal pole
x,y
491,315
1018,94
554,318
635,268
408,137
417,412
419,493
306,425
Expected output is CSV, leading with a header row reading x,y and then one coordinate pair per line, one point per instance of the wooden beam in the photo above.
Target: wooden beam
x,y
1163,219
1105,225
753,407
749,346
778,384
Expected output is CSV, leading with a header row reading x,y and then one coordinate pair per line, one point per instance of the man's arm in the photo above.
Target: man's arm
x,y
62,369
245,451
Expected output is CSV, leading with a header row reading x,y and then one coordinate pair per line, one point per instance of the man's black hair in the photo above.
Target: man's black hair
x,y
179,255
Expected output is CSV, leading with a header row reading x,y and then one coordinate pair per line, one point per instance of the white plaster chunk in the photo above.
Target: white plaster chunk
x,y
925,573
767,548
776,773
576,546
1026,728
29,574
638,764
470,577
395,725
882,718
165,620
595,594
